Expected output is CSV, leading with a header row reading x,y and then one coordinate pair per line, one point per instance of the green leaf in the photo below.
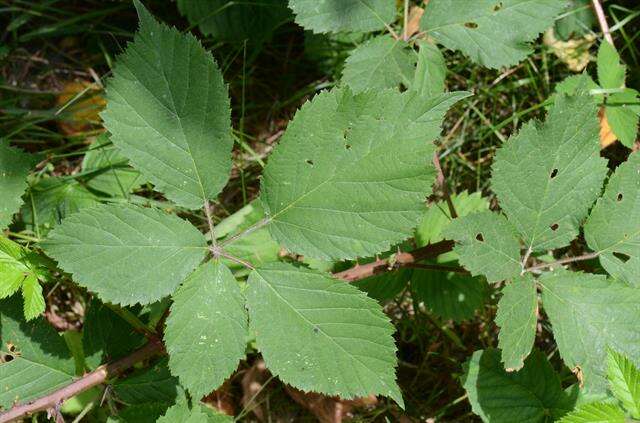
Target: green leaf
x,y
196,414
431,70
40,360
450,295
517,318
14,169
624,380
532,394
589,313
547,176
343,15
321,334
33,299
623,112
127,254
492,33
610,70
207,326
577,20
384,286
487,245
613,227
145,413
599,412
154,385
381,62
332,190
168,112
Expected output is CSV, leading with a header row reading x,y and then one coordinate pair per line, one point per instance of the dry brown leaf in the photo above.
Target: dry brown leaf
x,y
607,137
413,24
80,102
222,399
574,52
329,409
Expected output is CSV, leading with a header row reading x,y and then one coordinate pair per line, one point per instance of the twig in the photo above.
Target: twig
x,y
566,260
438,267
443,185
220,252
602,21
246,232
207,213
405,30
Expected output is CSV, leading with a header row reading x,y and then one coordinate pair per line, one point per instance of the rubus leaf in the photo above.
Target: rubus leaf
x,y
181,412
168,112
547,176
34,304
126,254
343,15
492,33
384,286
381,62
154,385
532,394
207,326
517,318
321,334
144,413
624,380
431,70
623,113
14,169
332,190
598,412
611,73
576,21
589,313
613,227
487,245
40,360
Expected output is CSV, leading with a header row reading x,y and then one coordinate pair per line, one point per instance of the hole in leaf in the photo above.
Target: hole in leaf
x,y
622,257
6,358
315,329
480,238
348,146
310,162
497,7
471,25
554,227
619,198
554,172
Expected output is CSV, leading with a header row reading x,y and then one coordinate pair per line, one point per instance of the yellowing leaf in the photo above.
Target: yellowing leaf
x,y
80,102
607,137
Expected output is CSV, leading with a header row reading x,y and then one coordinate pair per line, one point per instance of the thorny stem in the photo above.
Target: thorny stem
x,y
602,21
566,260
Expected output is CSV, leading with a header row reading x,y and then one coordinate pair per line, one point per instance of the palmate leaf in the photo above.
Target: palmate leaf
x,y
624,380
599,412
168,112
126,254
321,334
517,317
207,326
493,33
351,173
381,62
547,176
613,227
14,169
590,313
343,15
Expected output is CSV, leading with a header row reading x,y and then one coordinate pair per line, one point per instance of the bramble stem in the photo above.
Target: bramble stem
x,y
443,185
602,21
207,213
566,260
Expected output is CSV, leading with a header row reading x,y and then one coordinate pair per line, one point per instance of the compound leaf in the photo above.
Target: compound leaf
x,y
624,380
168,112
493,33
517,318
598,412
126,254
206,331
321,334
547,176
332,190
14,169
381,62
589,313
343,15
487,245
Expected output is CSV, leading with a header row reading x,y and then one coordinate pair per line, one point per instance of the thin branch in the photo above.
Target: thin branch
x,y
405,29
566,260
207,213
443,185
246,232
437,267
220,252
88,381
602,21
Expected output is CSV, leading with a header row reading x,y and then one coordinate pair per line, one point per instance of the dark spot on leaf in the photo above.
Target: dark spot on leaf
x,y
480,238
471,25
619,198
554,172
6,358
554,227
497,7
310,162
348,146
316,329
622,257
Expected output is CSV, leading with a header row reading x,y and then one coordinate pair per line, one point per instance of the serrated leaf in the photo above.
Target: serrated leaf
x,y
599,412
321,334
145,413
576,21
33,299
112,247
41,361
624,380
343,15
430,71
332,190
154,385
168,112
379,63
206,332
196,414
532,394
492,33
613,227
623,113
14,169
611,72
590,313
487,245
517,318
547,176
384,286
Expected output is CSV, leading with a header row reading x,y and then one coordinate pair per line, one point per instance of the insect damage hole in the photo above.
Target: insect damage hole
x,y
619,197
497,7
554,227
554,172
621,256
480,238
471,25
309,162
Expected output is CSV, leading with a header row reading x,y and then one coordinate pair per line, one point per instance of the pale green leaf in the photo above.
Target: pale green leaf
x,y
14,169
613,227
530,395
493,33
431,70
127,254
33,299
576,21
623,113
599,412
517,318
381,62
624,380
168,112
610,70
321,334
547,176
207,326
332,190
487,245
154,385
589,313
196,414
343,15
